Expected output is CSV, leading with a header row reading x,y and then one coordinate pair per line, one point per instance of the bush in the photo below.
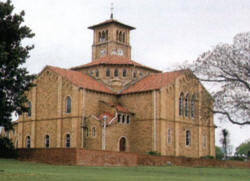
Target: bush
x,y
155,153
7,149
238,158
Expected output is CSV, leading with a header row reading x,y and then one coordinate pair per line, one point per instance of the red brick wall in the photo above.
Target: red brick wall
x,y
73,156
62,156
105,158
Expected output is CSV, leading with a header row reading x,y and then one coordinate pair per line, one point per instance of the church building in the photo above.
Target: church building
x,y
114,103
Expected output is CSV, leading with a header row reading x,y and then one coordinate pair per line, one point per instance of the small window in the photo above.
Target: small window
x,y
67,141
116,73
46,142
134,74
107,73
93,131
29,109
97,73
169,136
100,36
141,74
119,118
106,35
204,141
124,73
181,104
120,36
128,119
188,138
186,106
68,104
123,118
87,132
28,142
123,37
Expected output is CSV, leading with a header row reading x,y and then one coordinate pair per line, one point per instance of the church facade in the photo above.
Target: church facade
x,y
114,103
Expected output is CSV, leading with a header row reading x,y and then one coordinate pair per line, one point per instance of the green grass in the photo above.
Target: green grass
x,y
26,171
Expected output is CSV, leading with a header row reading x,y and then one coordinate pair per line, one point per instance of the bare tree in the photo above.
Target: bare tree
x,y
227,67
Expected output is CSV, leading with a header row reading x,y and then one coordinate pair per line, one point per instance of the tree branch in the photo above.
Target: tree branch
x,y
230,119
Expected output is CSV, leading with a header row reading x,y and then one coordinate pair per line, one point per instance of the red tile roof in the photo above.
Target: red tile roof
x,y
153,82
81,80
113,60
109,21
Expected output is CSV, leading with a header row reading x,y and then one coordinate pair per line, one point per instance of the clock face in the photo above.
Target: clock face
x,y
102,52
120,52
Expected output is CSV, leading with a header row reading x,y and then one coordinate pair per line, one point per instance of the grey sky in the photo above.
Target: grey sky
x,y
168,32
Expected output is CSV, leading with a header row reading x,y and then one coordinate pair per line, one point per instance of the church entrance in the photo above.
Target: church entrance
x,y
122,144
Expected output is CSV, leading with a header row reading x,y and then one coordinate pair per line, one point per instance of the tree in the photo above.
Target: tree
x,y
227,67
218,153
14,79
7,149
243,149
225,142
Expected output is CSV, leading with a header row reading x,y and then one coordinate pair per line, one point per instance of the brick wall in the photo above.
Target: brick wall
x,y
83,157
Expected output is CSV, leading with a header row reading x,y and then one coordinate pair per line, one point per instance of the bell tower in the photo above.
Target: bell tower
x,y
111,37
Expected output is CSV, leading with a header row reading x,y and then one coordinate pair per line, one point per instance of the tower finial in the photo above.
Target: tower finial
x,y
112,10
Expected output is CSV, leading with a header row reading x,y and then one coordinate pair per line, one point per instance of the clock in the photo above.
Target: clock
x,y
120,52
102,52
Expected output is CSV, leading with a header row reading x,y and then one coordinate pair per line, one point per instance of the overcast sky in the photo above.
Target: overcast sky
x,y
168,32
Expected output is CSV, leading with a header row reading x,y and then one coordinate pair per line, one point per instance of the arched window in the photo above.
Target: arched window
x,y
117,35
97,73
67,141
120,36
87,132
28,142
134,74
46,141
103,36
116,73
188,138
119,118
68,104
123,118
192,106
186,105
169,136
106,35
99,36
123,37
122,143
93,131
124,73
181,104
107,73
128,119
29,109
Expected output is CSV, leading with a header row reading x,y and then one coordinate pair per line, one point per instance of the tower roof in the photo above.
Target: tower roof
x,y
111,21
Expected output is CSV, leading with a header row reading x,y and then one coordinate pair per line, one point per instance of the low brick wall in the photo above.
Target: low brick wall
x,y
61,156
73,156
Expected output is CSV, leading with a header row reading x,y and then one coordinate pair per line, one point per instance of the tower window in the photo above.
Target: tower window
x,y
29,109
28,142
169,136
119,118
46,142
124,73
188,138
116,73
123,119
107,73
67,141
68,105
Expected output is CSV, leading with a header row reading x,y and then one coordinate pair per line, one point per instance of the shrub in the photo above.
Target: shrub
x,y
208,157
7,149
154,153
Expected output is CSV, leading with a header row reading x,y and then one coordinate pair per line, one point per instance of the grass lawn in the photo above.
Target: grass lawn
x,y
25,171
